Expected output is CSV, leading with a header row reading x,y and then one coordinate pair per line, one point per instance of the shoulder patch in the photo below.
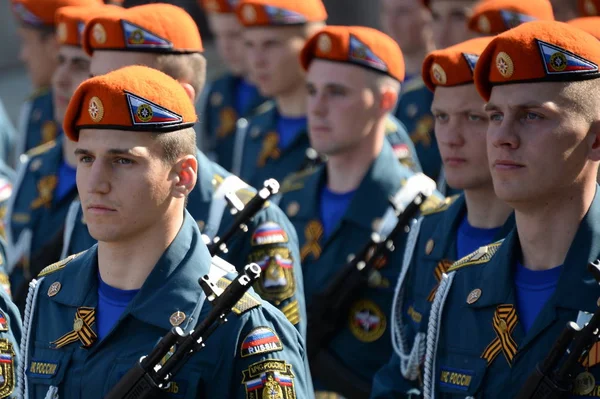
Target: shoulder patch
x,y
42,91
435,205
294,181
261,340
482,255
41,149
248,301
58,265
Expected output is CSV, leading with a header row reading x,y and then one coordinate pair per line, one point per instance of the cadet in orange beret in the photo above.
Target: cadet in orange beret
x,y
135,147
165,37
499,311
37,24
491,17
463,224
232,95
353,80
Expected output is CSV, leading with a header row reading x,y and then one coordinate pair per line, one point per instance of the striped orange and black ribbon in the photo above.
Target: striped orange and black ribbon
x,y
440,269
82,329
504,322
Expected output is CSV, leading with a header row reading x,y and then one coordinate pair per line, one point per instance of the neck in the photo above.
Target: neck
x,y
484,209
345,171
414,61
293,102
547,229
68,150
127,263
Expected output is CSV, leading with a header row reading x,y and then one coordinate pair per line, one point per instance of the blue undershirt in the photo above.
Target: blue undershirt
x,y
289,128
533,289
111,305
66,180
245,92
469,238
333,206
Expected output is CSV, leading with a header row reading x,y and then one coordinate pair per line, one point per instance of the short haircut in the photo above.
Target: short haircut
x,y
380,82
187,68
176,144
583,97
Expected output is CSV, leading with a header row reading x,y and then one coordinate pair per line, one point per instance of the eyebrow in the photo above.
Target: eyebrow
x,y
112,151
532,104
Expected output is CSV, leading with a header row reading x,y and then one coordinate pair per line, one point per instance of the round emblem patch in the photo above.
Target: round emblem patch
x,y
590,8
144,113
584,383
99,33
483,23
249,13
137,37
439,74
324,43
96,109
558,62
504,64
61,32
54,288
177,318
367,322
473,296
292,209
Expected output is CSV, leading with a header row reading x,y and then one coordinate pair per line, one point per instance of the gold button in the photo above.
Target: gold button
x,y
177,318
429,246
474,296
54,288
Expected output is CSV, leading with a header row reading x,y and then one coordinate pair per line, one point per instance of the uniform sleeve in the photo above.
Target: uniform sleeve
x,y
388,382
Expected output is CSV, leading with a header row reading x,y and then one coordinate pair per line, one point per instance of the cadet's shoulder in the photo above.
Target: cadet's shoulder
x,y
41,150
415,88
436,206
394,126
482,255
296,181
60,265
262,113
40,94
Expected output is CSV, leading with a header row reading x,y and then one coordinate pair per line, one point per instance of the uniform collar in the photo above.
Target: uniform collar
x,y
171,286
269,125
445,233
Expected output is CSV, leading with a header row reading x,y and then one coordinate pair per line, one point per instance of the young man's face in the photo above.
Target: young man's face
x,y
450,19
39,54
272,54
125,188
538,142
460,129
342,106
230,44
73,68
104,62
408,22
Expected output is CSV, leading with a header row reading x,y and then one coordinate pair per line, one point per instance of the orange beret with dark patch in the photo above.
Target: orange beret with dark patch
x,y
357,45
589,24
454,65
42,13
491,17
589,8
71,20
218,6
280,12
154,28
134,98
540,51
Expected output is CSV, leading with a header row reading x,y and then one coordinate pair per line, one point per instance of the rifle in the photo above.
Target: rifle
x,y
147,379
329,308
551,381
243,215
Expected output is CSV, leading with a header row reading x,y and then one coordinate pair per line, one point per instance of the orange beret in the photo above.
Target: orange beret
x,y
589,24
218,6
358,45
589,8
71,20
42,13
497,16
134,98
540,51
155,28
454,65
280,12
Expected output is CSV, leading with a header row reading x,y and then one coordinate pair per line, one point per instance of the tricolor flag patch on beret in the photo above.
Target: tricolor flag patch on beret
x,y
261,340
269,233
144,112
471,60
282,16
514,19
559,61
360,53
137,37
25,15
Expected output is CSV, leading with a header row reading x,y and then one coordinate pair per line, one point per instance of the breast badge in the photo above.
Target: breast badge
x,y
269,379
367,321
7,369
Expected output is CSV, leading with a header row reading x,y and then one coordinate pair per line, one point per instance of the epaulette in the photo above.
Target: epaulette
x,y
217,180
245,304
38,93
413,85
40,149
263,108
482,255
434,204
294,181
390,127
58,265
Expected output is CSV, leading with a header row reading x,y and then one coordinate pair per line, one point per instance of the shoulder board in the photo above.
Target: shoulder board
x,y
263,108
294,181
217,180
413,85
39,92
434,204
58,265
390,127
482,255
40,149
245,304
